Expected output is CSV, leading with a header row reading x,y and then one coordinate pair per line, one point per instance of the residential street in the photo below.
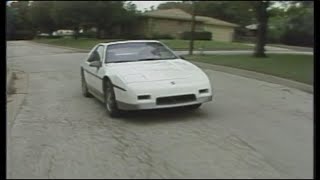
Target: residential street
x,y
252,129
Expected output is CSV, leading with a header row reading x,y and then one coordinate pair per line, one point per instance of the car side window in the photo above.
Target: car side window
x,y
100,51
97,54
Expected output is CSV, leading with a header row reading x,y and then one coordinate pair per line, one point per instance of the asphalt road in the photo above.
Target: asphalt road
x,y
253,129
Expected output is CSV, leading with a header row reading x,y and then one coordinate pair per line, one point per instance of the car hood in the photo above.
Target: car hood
x,y
144,71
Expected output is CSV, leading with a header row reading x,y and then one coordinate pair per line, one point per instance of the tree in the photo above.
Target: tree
x,y
193,24
108,17
129,19
68,14
41,18
105,15
21,9
130,7
22,14
291,22
262,17
10,22
299,28
239,12
18,20
185,6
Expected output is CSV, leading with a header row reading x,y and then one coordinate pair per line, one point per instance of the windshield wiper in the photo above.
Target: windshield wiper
x,y
122,61
147,59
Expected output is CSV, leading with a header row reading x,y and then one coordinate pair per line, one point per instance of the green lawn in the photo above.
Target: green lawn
x,y
85,43
294,67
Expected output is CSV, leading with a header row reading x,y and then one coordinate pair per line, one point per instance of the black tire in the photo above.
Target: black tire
x,y
194,106
110,100
84,86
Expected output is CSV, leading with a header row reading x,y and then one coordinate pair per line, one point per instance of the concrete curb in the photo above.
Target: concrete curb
x,y
9,80
63,47
259,76
295,48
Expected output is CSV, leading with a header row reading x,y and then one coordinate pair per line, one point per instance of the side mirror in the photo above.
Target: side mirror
x,y
96,64
91,59
94,57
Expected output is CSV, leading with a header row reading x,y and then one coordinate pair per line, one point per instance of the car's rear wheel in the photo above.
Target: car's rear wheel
x,y
84,86
110,100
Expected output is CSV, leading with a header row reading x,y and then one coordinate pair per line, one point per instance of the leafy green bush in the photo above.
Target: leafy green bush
x,y
89,34
300,30
136,36
48,36
197,35
22,35
295,38
293,27
273,36
245,39
162,36
54,37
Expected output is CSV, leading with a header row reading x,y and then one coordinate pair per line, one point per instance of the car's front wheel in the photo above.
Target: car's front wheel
x,y
110,100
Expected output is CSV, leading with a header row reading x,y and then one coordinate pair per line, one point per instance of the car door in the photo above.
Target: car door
x,y
94,75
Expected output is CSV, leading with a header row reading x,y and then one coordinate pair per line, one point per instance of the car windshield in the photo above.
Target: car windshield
x,y
137,51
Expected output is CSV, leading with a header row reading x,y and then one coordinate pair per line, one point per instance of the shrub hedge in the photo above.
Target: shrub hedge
x,y
197,35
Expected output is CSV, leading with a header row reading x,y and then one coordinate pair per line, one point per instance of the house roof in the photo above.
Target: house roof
x,y
169,14
210,20
178,14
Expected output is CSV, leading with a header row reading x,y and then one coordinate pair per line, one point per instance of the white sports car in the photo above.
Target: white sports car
x,y
142,74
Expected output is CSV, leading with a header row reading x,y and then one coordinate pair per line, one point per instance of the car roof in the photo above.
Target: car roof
x,y
127,41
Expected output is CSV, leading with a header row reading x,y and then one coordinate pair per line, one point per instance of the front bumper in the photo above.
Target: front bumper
x,y
153,105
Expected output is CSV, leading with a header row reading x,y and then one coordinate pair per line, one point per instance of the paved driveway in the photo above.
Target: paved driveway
x,y
252,129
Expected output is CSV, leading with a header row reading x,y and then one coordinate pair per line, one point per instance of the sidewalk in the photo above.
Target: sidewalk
x,y
270,48
294,48
9,80
282,47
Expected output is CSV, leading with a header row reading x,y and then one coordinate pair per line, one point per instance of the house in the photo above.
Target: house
x,y
175,21
63,32
252,29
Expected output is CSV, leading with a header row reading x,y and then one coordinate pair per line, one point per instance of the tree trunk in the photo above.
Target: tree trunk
x,y
262,17
192,30
98,33
76,33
